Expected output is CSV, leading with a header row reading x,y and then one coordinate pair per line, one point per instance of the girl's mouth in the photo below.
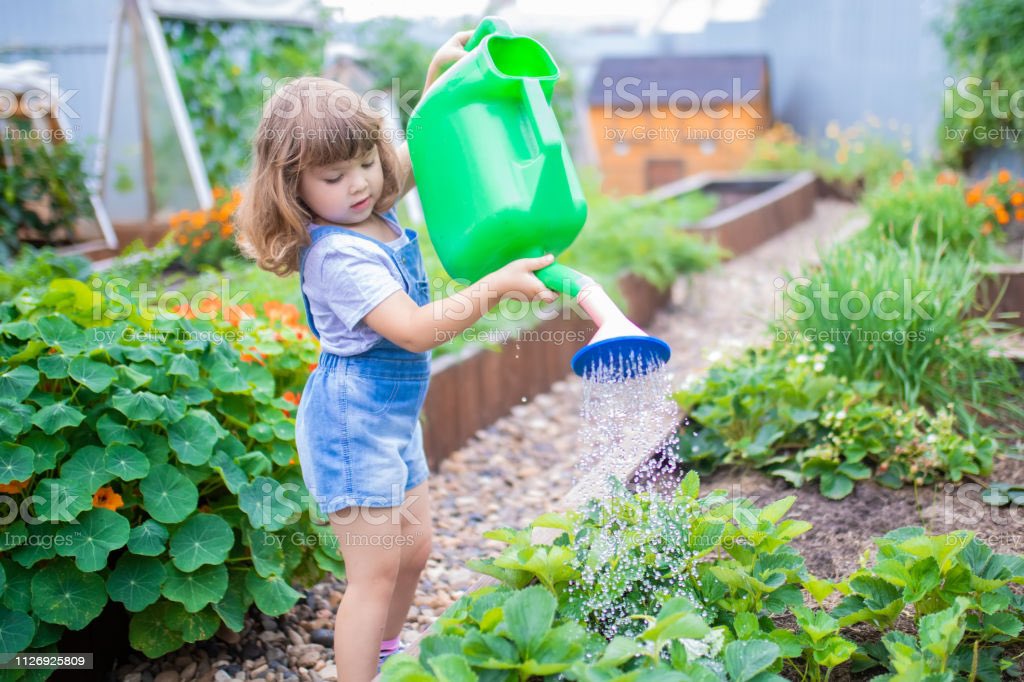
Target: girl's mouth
x,y
362,204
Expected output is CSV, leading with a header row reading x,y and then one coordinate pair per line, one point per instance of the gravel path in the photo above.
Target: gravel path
x,y
518,468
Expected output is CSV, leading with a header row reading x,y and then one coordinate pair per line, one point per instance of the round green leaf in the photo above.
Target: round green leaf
x,y
17,462
96,376
126,462
194,626
87,468
141,406
64,595
264,502
57,499
15,418
148,539
55,417
58,331
273,596
267,553
150,631
112,431
202,539
136,581
235,602
168,495
196,589
17,383
98,532
16,631
192,438
261,432
285,430
47,449
183,366
54,366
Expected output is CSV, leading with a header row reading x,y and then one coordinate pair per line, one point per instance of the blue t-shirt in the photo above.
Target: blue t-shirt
x,y
345,277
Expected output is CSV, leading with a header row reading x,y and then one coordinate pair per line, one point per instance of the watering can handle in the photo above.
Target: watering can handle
x,y
543,121
488,25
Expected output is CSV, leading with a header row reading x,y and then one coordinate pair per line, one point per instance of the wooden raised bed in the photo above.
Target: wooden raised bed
x,y
1003,288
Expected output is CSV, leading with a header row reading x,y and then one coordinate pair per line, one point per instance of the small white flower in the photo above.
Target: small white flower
x,y
801,359
841,415
819,366
714,356
931,438
829,348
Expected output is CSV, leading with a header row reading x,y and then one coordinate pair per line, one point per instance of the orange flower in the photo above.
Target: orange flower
x,y
286,313
106,497
237,314
897,179
184,310
1002,216
209,304
312,366
197,242
247,358
291,461
197,219
1017,199
291,397
218,193
1018,215
986,228
15,487
992,201
947,177
974,195
181,239
1003,177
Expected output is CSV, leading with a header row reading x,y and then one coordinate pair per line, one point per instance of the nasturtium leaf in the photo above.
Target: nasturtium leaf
x,y
200,625
46,634
227,377
168,495
285,430
16,384
98,532
57,416
148,538
15,418
130,378
17,594
273,596
150,632
235,602
17,462
192,438
19,329
267,552
202,539
46,448
113,430
198,588
136,581
261,432
58,331
193,395
87,468
58,499
65,595
141,406
264,502
174,409
126,462
234,477
96,376
183,365
16,632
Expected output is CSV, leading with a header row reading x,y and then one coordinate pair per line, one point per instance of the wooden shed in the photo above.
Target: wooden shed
x,y
658,119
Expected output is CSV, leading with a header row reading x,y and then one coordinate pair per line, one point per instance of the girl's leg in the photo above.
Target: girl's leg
x,y
368,540
417,534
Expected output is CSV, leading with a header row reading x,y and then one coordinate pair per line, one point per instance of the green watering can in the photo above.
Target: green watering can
x,y
497,183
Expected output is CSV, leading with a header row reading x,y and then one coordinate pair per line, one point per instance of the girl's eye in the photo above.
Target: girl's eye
x,y
369,164
332,181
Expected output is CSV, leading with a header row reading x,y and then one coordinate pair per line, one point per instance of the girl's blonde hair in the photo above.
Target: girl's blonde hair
x,y
310,122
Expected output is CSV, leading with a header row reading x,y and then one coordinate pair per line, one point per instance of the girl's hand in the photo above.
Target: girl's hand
x,y
518,277
452,51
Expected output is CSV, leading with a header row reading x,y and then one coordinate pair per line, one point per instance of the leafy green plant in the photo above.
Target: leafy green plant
x,y
160,463
779,410
37,267
223,68
43,187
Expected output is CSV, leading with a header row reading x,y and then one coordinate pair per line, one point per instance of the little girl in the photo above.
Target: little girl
x,y
320,200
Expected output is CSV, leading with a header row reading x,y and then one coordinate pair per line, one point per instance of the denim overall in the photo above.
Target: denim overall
x,y
357,429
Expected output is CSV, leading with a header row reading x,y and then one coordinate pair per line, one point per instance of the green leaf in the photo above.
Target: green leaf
x,y
17,462
233,476
148,538
136,581
141,406
183,365
112,431
168,495
57,416
126,462
192,438
835,486
202,539
201,625
744,659
235,602
15,385
195,590
60,332
96,376
16,632
87,468
150,631
266,505
64,595
57,499
98,532
528,616
451,668
273,596
15,418
267,552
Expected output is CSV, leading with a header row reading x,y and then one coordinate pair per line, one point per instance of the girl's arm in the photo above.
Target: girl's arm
x,y
452,51
419,328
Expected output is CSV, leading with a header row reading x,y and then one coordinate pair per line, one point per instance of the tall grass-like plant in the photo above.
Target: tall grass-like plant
x,y
901,315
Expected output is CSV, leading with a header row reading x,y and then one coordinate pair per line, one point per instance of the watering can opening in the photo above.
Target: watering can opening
x,y
520,57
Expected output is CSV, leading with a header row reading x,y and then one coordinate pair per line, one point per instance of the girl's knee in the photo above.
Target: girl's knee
x,y
415,559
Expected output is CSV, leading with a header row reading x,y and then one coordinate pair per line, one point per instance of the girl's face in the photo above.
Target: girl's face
x,y
344,192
